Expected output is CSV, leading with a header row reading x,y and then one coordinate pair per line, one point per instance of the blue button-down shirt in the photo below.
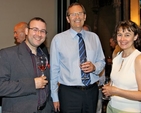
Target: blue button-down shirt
x,y
65,61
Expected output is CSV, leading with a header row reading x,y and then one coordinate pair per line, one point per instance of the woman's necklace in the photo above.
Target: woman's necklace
x,y
121,64
125,56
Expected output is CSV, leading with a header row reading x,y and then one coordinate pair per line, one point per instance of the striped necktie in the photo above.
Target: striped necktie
x,y
83,58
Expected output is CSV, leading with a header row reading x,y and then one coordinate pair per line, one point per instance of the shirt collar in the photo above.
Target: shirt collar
x,y
28,49
39,51
74,33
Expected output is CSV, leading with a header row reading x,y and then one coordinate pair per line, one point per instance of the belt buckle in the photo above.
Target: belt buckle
x,y
83,88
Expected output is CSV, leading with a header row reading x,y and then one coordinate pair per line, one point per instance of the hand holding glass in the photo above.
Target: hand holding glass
x,y
106,82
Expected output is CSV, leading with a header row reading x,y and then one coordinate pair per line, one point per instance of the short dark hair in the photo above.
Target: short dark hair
x,y
38,19
130,26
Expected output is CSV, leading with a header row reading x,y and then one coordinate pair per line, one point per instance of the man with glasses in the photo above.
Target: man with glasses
x,y
23,88
19,36
78,90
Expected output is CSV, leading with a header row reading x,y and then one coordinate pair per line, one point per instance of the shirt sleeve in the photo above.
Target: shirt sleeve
x,y
100,58
54,70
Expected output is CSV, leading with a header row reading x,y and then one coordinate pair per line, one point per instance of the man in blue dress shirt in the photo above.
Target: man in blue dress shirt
x,y
72,96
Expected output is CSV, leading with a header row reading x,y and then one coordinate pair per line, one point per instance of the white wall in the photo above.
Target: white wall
x,y
14,11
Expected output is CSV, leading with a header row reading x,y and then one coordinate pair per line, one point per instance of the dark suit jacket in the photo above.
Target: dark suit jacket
x,y
44,49
17,84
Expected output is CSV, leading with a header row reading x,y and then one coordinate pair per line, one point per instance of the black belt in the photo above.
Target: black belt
x,y
82,87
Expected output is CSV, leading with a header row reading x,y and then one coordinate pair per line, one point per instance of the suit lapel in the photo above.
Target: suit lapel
x,y
25,58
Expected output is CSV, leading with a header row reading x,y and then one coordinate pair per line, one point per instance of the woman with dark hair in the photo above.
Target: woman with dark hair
x,y
125,86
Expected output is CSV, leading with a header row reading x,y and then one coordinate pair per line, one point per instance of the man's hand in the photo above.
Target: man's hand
x,y
56,106
87,67
40,82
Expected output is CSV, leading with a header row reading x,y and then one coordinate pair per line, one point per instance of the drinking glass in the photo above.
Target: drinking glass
x,y
42,63
83,60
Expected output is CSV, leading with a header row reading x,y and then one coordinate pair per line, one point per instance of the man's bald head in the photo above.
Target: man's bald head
x,y
19,32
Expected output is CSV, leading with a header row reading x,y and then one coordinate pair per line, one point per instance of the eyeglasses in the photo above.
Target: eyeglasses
x,y
36,30
75,14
